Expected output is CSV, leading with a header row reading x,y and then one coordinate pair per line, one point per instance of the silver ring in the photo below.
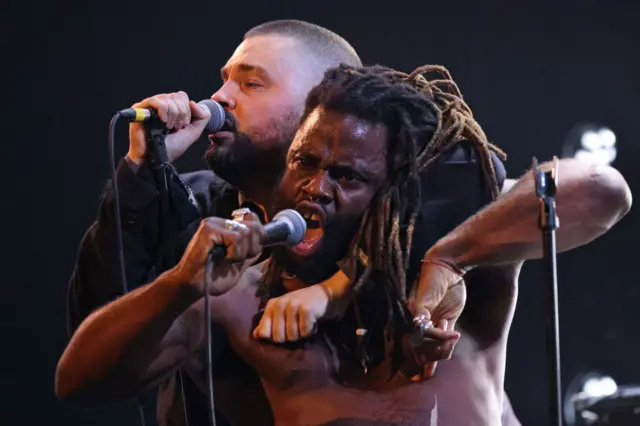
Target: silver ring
x,y
422,324
232,225
239,214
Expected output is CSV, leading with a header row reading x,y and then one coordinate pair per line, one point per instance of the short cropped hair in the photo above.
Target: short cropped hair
x,y
325,46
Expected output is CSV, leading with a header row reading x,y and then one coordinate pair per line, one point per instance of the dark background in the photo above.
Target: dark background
x,y
529,74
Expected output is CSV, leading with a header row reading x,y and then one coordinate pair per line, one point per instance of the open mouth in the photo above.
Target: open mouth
x,y
315,218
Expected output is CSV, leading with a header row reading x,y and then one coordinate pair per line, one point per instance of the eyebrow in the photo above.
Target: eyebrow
x,y
339,167
245,68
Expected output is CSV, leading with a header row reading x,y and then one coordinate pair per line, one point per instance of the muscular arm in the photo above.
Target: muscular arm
x,y
131,343
591,198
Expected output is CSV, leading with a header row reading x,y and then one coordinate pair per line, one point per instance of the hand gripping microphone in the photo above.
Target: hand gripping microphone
x,y
287,228
139,115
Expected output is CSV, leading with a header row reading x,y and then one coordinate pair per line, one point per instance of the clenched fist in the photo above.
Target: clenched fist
x,y
242,240
185,118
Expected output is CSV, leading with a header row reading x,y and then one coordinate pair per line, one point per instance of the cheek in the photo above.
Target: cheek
x,y
269,118
290,184
354,201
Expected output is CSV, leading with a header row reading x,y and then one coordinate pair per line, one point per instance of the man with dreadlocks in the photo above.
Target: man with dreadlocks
x,y
353,171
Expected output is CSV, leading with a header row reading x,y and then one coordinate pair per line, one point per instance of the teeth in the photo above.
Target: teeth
x,y
311,216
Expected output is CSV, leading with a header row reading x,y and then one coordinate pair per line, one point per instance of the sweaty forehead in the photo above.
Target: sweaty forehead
x,y
342,138
279,56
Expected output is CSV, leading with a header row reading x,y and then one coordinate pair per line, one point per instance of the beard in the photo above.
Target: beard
x,y
256,157
321,265
243,162
338,234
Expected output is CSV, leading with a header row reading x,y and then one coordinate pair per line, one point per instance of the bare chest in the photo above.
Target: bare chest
x,y
305,385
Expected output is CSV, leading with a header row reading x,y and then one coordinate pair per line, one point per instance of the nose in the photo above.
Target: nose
x,y
224,97
320,188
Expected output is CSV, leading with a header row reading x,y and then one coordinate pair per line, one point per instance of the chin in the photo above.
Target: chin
x,y
313,263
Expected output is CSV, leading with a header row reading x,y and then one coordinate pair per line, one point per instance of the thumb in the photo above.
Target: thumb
x,y
419,309
199,112
431,289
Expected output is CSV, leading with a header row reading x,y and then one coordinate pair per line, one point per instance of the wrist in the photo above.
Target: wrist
x,y
176,277
337,289
449,256
133,160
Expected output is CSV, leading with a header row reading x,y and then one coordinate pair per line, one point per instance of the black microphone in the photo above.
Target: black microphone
x,y
139,115
287,228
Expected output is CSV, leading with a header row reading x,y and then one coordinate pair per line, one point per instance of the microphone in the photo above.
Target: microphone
x,y
287,229
139,115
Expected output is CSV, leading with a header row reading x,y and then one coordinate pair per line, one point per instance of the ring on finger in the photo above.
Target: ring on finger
x,y
232,225
239,214
422,324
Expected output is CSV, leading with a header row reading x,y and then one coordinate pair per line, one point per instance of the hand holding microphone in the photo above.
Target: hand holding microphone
x,y
185,119
234,245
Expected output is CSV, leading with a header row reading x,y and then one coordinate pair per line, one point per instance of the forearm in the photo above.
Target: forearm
x,y
110,353
590,199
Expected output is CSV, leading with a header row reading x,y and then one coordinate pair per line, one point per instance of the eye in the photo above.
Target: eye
x,y
252,84
305,162
348,177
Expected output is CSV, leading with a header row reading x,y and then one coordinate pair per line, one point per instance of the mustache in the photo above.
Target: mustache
x,y
230,122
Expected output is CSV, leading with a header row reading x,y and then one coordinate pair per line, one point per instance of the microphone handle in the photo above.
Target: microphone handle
x,y
276,233
217,253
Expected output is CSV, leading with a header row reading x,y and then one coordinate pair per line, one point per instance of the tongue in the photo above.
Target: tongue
x,y
311,238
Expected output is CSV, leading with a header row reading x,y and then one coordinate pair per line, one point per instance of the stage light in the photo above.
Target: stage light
x,y
584,390
591,141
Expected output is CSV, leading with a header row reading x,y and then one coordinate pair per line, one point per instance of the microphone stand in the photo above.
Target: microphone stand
x,y
158,160
546,188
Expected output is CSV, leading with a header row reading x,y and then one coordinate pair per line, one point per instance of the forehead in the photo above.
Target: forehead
x,y
277,55
343,137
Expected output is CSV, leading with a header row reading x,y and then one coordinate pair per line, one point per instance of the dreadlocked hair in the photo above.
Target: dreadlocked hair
x,y
424,117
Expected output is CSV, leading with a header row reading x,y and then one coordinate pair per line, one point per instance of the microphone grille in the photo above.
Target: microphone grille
x,y
298,226
217,115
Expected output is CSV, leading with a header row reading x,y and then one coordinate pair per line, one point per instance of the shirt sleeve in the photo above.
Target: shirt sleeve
x,y
453,189
96,277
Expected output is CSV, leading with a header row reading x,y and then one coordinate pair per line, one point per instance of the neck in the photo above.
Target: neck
x,y
261,194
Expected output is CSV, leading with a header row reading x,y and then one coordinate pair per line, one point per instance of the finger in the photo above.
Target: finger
x,y
157,103
184,111
291,326
446,350
430,369
440,335
239,249
442,324
306,324
218,233
173,112
432,287
278,332
199,112
254,243
263,330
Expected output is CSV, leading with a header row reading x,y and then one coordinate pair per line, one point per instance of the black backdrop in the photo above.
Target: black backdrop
x,y
529,74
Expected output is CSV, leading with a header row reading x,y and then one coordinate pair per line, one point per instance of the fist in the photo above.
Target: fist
x,y
184,118
293,316
439,298
242,240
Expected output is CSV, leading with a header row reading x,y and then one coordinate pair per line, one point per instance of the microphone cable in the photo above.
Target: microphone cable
x,y
125,288
116,196
208,340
